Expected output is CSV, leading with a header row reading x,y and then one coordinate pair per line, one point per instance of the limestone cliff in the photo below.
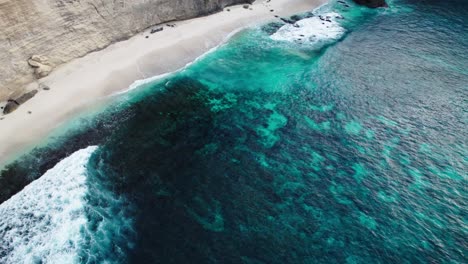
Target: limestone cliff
x,y
37,35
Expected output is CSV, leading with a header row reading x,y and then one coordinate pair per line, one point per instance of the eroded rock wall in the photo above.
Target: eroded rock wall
x,y
62,30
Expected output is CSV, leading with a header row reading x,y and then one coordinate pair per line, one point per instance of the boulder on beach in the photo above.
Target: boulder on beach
x,y
10,107
154,30
25,97
41,66
13,104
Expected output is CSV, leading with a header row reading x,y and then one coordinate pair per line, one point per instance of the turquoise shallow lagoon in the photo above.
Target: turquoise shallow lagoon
x,y
340,141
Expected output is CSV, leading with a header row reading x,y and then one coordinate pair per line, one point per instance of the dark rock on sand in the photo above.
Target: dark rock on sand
x,y
372,3
25,97
154,30
44,87
295,18
13,104
10,107
287,21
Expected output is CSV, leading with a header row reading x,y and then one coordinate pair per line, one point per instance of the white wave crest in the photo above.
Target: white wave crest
x,y
43,222
136,84
312,30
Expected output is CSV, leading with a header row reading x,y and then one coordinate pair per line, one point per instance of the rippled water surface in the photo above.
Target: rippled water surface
x,y
340,141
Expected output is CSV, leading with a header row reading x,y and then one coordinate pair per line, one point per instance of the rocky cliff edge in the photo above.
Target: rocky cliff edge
x,y
38,35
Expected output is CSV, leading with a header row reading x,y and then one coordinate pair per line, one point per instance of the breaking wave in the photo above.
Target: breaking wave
x,y
63,217
43,222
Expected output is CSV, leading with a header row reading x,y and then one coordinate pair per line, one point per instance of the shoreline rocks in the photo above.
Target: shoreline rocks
x,y
372,3
13,104
158,29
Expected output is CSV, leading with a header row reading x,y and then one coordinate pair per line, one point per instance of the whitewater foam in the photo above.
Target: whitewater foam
x,y
43,222
313,30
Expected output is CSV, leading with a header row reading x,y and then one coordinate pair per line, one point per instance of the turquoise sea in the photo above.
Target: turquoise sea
x,y
340,139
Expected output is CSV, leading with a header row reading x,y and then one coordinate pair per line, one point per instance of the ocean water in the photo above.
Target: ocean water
x,y
339,141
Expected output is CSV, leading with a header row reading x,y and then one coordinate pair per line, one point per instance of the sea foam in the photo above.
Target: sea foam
x,y
322,28
43,222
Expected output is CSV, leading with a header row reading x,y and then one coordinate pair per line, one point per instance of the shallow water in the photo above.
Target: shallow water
x,y
343,144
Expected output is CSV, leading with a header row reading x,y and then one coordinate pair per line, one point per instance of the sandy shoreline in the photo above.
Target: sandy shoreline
x,y
85,81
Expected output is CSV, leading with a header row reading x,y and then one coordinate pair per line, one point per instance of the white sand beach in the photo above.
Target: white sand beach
x,y
83,82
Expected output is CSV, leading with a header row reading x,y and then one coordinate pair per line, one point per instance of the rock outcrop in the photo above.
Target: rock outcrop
x,y
372,3
13,104
38,35
41,66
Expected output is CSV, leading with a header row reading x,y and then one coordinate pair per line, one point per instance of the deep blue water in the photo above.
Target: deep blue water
x,y
341,142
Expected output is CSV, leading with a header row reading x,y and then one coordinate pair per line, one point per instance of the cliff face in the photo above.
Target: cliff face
x,y
57,31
